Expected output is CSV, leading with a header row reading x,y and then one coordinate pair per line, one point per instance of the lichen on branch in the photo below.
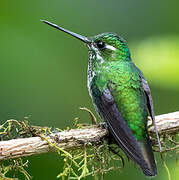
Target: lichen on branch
x,y
85,149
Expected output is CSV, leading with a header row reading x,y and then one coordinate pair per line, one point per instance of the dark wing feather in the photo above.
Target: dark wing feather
x,y
120,130
150,106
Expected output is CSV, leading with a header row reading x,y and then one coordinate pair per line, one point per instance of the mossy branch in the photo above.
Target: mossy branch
x,y
74,138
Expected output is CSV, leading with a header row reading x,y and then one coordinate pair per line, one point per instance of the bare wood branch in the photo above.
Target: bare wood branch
x,y
36,145
166,123
74,138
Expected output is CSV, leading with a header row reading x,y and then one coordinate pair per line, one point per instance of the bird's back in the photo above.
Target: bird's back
x,y
125,85
130,98
123,81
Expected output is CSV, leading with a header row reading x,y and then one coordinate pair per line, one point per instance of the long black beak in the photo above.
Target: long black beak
x,y
78,36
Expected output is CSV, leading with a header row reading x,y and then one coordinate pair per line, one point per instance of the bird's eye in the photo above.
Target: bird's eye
x,y
101,45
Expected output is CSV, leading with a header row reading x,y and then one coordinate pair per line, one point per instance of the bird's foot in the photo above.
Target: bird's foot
x,y
103,125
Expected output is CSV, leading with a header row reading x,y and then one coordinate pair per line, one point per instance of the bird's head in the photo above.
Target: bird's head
x,y
108,46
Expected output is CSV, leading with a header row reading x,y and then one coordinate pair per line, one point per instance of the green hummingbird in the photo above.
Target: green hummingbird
x,y
120,95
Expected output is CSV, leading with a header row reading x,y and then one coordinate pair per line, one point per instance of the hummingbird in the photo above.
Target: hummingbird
x,y
121,96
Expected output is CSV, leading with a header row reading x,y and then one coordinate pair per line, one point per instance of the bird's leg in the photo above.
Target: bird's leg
x,y
152,123
103,125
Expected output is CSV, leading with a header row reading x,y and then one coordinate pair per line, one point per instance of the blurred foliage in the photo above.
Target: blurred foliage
x,y
43,71
12,169
159,58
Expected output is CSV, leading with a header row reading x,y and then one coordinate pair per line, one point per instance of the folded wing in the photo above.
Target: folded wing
x,y
121,132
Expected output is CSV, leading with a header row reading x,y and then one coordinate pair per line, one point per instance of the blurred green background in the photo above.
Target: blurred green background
x,y
43,71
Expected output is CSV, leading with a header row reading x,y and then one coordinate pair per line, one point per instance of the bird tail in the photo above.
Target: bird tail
x,y
150,168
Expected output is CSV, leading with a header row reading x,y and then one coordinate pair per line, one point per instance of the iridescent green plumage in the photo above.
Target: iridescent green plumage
x,y
114,68
124,83
120,95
